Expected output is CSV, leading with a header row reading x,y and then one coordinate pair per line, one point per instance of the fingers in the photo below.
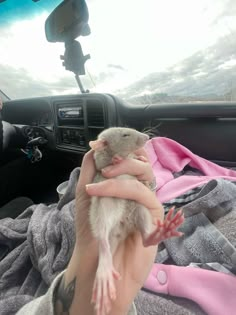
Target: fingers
x,y
87,171
141,152
128,189
140,168
143,172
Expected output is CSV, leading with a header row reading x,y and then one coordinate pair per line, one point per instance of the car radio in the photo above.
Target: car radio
x,y
72,136
70,112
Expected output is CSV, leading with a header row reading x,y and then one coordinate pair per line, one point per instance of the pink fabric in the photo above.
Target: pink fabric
x,y
213,291
168,156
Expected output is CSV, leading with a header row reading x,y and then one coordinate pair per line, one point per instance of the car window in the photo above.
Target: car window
x,y
3,97
144,51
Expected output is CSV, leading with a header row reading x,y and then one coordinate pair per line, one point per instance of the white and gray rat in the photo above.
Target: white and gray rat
x,y
113,219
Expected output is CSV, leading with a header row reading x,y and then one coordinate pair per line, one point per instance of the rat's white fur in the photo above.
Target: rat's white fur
x,y
113,219
114,216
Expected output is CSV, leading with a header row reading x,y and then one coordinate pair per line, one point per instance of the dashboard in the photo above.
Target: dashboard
x,y
69,122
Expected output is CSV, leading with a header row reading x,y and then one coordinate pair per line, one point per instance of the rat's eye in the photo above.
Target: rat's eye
x,y
125,135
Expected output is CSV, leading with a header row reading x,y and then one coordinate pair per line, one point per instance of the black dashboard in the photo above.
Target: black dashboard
x,y
69,122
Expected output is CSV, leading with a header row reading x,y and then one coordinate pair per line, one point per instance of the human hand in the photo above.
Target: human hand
x,y
131,260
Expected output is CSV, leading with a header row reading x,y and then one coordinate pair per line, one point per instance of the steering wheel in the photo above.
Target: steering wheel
x,y
10,136
1,133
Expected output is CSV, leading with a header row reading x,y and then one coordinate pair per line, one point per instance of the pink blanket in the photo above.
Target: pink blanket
x,y
213,291
168,157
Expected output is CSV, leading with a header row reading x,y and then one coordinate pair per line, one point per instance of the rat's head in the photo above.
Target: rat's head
x,y
122,141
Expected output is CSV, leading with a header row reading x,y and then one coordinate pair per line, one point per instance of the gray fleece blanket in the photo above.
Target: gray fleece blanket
x,y
42,239
209,228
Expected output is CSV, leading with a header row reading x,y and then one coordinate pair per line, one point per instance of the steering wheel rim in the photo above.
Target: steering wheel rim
x,y
1,133
10,137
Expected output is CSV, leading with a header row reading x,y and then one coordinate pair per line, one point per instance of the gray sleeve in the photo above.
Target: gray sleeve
x,y
132,310
44,304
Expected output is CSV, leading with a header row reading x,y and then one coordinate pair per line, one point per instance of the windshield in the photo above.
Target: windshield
x,y
144,51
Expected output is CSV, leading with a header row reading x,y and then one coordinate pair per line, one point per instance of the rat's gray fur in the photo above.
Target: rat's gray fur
x,y
115,218
120,141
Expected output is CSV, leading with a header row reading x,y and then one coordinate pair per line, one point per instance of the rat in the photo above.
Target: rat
x,y
113,219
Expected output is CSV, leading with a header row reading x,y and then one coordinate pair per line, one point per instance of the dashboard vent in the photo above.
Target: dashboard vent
x,y
95,113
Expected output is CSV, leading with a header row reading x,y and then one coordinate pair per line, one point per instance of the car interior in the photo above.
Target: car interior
x,y
44,138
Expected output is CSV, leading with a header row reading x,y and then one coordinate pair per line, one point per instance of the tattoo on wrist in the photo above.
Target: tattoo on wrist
x,y
64,295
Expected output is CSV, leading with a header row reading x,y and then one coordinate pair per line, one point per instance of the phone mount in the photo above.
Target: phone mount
x,y
68,21
74,60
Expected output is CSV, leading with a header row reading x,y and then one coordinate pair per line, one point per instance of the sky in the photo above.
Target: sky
x,y
130,40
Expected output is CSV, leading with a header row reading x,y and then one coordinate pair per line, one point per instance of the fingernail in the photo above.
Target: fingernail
x,y
107,169
88,186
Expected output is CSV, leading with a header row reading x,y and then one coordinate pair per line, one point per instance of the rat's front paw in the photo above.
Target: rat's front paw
x,y
116,159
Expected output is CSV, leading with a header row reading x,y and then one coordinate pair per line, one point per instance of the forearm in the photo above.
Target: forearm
x,y
73,294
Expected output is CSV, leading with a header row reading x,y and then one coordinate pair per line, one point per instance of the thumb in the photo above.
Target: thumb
x,y
87,171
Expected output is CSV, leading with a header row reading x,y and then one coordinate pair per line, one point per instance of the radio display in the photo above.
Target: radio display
x,y
70,112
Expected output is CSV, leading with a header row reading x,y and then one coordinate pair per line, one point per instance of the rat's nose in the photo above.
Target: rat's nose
x,y
145,137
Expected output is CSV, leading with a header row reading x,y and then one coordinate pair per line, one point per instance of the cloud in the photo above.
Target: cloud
x,y
30,66
18,83
211,71
118,67
229,10
33,68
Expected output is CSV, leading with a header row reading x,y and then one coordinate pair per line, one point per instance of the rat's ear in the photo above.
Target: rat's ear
x,y
97,144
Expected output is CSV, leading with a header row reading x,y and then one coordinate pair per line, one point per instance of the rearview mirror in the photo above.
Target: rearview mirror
x,y
68,21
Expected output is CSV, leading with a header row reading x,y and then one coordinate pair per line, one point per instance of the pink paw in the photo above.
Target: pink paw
x,y
117,159
165,229
104,291
142,158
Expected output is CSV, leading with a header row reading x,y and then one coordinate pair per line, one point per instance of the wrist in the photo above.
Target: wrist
x,y
81,272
